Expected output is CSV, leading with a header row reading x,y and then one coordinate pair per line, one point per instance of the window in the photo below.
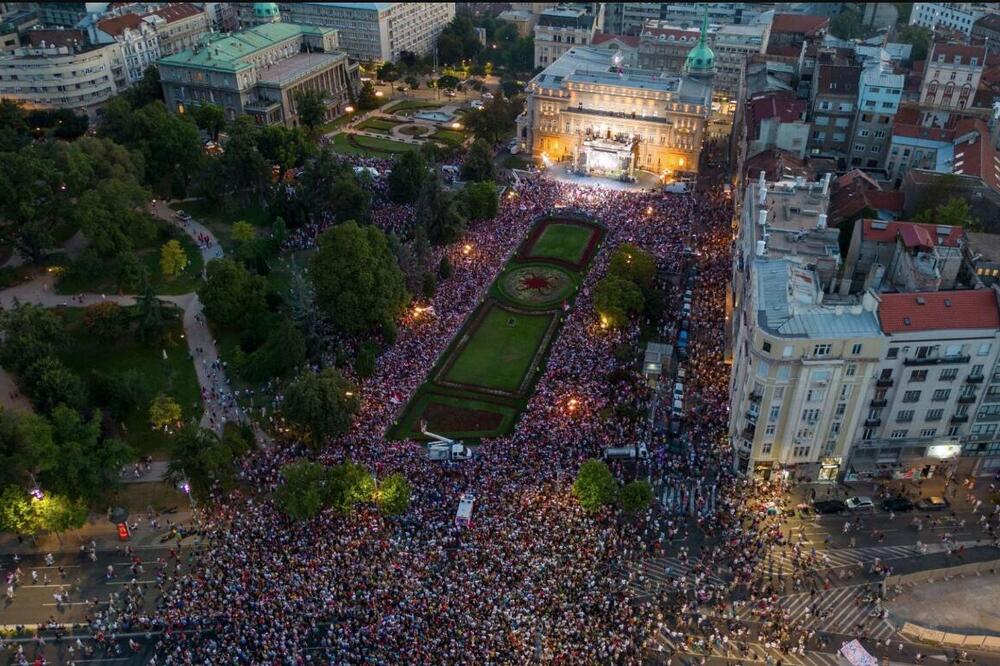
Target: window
x,y
911,396
940,395
953,350
977,371
954,431
868,433
772,416
801,451
787,351
845,391
822,350
769,431
815,395
784,372
984,349
918,376
898,434
934,415
856,348
948,374
765,449
779,393
766,347
810,415
859,148
875,148
851,369
904,416
763,369
928,432
893,352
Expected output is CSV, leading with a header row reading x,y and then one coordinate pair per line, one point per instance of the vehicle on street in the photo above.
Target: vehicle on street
x,y
933,504
678,391
677,188
476,104
463,517
182,216
402,88
897,504
450,452
858,504
449,92
637,452
514,146
829,506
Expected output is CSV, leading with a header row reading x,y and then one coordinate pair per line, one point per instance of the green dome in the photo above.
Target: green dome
x,y
700,59
265,10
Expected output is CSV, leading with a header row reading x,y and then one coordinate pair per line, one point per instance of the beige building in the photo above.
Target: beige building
x,y
179,26
560,29
733,45
595,115
64,76
951,76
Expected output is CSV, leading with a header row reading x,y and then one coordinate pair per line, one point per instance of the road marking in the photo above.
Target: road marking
x,y
129,582
75,603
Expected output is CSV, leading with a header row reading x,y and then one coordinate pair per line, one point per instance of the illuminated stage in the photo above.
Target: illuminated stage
x,y
611,157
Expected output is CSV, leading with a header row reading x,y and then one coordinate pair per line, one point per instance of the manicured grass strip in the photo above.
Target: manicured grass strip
x,y
499,352
174,376
351,144
451,137
379,124
563,241
413,104
456,417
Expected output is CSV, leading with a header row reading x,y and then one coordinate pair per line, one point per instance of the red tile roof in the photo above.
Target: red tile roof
x,y
976,156
799,24
783,105
779,164
964,52
66,38
601,37
892,200
117,25
176,12
988,22
932,311
838,80
942,134
913,234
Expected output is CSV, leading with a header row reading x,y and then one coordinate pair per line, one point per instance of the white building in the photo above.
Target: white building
x,y
958,16
370,31
951,76
560,29
879,93
138,38
732,45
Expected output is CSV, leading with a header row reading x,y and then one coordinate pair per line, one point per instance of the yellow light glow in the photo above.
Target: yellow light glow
x,y
349,393
467,249
456,125
604,321
379,93
349,109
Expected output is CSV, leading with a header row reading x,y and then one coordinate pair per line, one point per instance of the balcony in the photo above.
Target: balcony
x,y
960,418
974,379
937,360
755,397
884,382
873,423
878,403
749,431
966,399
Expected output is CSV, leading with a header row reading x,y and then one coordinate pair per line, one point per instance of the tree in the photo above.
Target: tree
x,y
131,274
478,165
594,486
407,177
302,492
17,511
348,485
284,348
329,184
287,147
173,259
106,321
633,264
174,150
33,200
953,212
147,90
367,99
494,121
48,383
615,299
164,412
428,285
113,216
148,311
445,269
231,295
311,107
919,38
58,513
86,465
243,231
29,333
357,282
412,81
364,364
279,231
210,118
480,200
13,126
388,72
847,25
204,460
26,447
121,392
437,213
448,82
636,496
321,405
393,495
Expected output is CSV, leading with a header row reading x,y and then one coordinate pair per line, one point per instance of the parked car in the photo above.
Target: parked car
x,y
829,506
449,92
476,104
933,504
182,216
897,504
487,96
402,88
858,504
627,453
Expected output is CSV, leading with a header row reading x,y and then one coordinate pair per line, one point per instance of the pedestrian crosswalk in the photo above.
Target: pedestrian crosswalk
x,y
780,562
837,611
688,496
746,653
657,573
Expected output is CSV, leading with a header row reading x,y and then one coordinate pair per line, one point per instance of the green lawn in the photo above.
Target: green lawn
x,y
368,146
174,376
499,355
205,212
380,124
517,162
460,423
413,105
563,241
450,137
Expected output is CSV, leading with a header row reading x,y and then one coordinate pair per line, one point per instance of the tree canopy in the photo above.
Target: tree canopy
x,y
407,177
204,460
438,213
478,165
320,405
595,486
232,296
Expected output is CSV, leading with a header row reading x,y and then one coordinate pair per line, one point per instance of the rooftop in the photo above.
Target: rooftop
x,y
603,37
117,25
799,23
989,22
53,38
975,154
366,6
784,106
231,53
299,65
838,79
933,311
963,52
913,234
778,164
566,17
176,11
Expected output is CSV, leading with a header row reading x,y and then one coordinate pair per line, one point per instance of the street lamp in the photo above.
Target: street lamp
x,y
349,109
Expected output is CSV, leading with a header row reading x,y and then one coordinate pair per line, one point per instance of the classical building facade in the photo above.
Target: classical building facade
x,y
951,76
258,71
560,29
590,112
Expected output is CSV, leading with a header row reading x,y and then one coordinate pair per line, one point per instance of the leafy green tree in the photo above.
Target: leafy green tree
x,y
48,383
278,232
29,333
13,126
388,72
321,405
393,495
149,315
494,121
173,259
302,492
437,212
231,295
164,411
348,485
210,118
364,364
243,231
283,350
367,99
478,165
58,513
636,496
242,172
86,465
131,274
481,200
26,447
919,38
953,212
634,264
448,82
407,176
428,285
204,460
847,25
445,269
412,81
121,392
356,279
113,216
147,90
595,486
174,151
311,108
89,160
106,321
17,513
615,299
329,184
287,147
33,199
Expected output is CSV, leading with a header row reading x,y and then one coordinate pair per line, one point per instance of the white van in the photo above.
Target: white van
x,y
679,187
627,453
463,518
678,391
450,452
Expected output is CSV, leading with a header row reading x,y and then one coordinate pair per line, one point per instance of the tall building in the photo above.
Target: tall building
x,y
370,31
879,93
59,70
802,353
665,47
589,111
138,39
957,16
178,26
258,72
951,76
733,46
560,29
834,99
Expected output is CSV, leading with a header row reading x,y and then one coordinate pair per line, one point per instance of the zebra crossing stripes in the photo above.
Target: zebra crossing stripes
x,y
780,561
756,653
659,572
688,497
839,613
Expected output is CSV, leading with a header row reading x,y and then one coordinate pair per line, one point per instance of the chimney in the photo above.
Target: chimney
x,y
761,248
826,183
762,183
763,195
800,181
821,223
762,218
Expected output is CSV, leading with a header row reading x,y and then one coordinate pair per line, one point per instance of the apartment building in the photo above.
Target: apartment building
x,y
957,16
986,30
879,93
733,45
951,76
834,99
981,449
178,26
138,38
916,146
665,47
940,348
560,29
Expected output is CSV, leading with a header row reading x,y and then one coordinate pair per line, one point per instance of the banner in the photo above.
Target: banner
x,y
857,655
